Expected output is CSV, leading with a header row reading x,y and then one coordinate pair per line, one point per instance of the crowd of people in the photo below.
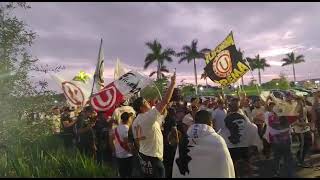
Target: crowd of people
x,y
211,137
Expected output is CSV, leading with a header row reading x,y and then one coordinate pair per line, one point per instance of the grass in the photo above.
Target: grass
x,y
45,156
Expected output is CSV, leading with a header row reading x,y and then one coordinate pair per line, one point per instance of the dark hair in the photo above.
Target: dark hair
x,y
137,104
193,99
66,109
125,117
89,109
233,105
203,117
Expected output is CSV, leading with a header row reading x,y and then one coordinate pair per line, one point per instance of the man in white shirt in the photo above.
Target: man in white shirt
x,y
122,150
147,133
218,116
239,135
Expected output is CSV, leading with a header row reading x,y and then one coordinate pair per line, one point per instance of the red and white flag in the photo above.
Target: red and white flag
x,y
115,93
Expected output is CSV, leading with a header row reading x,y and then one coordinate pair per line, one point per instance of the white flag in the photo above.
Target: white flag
x,y
98,74
77,91
118,70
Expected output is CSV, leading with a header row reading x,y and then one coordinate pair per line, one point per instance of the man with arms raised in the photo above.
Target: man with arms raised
x,y
147,132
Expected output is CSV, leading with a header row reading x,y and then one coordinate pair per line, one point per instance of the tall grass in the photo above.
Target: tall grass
x,y
43,155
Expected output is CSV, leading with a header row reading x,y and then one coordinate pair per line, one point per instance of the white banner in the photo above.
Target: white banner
x,y
77,93
131,83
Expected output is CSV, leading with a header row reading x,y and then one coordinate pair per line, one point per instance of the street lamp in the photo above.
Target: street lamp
x,y
201,88
277,84
55,101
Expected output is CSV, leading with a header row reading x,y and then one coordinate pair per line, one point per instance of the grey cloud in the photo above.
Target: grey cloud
x,y
71,31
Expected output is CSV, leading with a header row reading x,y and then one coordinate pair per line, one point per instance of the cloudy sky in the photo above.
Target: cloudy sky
x,y
69,33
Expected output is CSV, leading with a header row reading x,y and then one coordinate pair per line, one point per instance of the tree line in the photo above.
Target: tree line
x,y
190,53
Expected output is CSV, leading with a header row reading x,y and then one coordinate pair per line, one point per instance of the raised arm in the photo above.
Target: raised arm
x,y
161,106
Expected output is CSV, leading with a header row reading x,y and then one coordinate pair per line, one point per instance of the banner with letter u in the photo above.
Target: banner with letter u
x,y
115,93
224,63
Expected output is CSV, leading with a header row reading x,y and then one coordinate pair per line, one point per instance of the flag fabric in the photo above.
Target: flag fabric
x,y
77,91
118,70
202,154
224,64
98,74
114,94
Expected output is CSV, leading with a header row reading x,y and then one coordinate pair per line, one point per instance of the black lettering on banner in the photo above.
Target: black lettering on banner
x,y
132,85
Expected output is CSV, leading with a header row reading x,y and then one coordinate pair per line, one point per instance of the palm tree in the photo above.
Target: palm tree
x,y
257,63
158,55
162,70
190,53
292,59
204,76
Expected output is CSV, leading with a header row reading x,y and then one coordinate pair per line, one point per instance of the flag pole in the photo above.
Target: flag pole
x,y
94,76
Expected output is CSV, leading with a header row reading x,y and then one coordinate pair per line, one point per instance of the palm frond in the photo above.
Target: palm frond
x,y
286,63
186,48
149,60
299,61
182,59
181,54
194,44
152,73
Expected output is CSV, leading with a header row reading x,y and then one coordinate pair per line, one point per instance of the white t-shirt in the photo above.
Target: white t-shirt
x,y
218,115
147,128
123,130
